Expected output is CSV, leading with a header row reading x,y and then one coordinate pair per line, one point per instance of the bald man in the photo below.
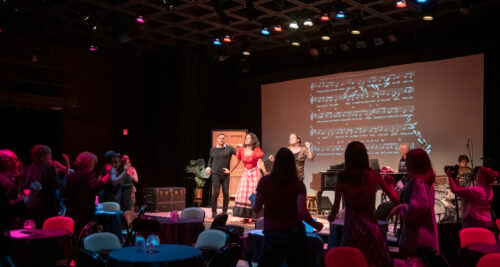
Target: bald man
x,y
403,150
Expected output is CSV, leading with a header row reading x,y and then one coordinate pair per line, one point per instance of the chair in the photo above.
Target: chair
x,y
60,222
129,217
219,221
144,226
211,239
193,213
475,235
110,206
431,257
345,257
233,235
228,256
489,260
259,223
101,241
88,229
312,203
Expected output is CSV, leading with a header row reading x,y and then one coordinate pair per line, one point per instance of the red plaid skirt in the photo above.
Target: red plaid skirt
x,y
248,185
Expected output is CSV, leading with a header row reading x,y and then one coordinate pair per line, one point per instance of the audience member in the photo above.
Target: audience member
x,y
45,204
81,190
418,222
358,185
476,199
284,198
127,200
112,189
11,210
9,169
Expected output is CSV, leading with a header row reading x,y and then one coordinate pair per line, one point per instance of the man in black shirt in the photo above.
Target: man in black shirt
x,y
218,167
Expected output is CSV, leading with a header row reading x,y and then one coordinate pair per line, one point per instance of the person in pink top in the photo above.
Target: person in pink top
x,y
251,155
476,199
418,221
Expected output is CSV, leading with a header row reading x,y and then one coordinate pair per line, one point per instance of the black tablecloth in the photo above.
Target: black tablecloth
x,y
42,248
470,255
166,255
183,232
111,221
252,245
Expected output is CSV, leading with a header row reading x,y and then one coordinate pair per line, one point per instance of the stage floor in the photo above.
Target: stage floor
x,y
239,221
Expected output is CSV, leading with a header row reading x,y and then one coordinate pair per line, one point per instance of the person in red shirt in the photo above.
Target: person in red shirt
x,y
284,198
251,155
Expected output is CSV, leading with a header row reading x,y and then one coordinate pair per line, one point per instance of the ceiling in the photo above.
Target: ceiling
x,y
196,23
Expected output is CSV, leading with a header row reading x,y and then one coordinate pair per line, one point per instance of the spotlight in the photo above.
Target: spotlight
x,y
428,17
325,37
308,22
421,1
90,23
341,14
277,28
401,3
227,39
140,19
295,43
265,31
93,47
356,26
245,47
340,10
325,17
294,25
245,53
217,41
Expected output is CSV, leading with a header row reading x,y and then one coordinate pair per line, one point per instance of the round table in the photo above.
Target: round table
x,y
183,231
41,248
166,255
111,221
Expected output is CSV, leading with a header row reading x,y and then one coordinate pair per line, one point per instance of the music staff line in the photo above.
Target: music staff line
x,y
381,79
369,147
361,130
395,92
366,113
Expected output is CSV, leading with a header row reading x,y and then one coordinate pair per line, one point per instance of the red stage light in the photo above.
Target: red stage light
x,y
125,131
277,28
401,3
325,17
227,39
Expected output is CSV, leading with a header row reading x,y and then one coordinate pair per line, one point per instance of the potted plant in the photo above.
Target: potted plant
x,y
200,176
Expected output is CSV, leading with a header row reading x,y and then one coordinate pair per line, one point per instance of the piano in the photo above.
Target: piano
x,y
325,181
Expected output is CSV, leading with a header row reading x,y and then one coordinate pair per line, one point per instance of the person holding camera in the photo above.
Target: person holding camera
x,y
476,200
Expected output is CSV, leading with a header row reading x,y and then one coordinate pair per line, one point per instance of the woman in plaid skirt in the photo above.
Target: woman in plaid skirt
x,y
251,155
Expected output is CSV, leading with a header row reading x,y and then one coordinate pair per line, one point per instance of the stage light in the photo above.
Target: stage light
x,y
325,37
325,17
169,4
140,19
90,23
314,52
227,39
125,131
245,47
265,31
355,26
401,3
277,28
428,17
295,43
341,14
421,1
93,47
308,22
245,53
294,25
217,41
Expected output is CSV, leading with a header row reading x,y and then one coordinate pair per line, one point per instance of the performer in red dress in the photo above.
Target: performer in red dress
x,y
251,155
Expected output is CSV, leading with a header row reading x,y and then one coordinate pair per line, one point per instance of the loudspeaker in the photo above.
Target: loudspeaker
x,y
161,199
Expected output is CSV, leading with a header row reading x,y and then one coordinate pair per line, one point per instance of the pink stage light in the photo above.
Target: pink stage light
x,y
125,131
140,19
92,48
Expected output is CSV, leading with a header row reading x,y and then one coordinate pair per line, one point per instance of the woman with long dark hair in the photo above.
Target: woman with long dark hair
x,y
418,222
251,155
284,196
358,185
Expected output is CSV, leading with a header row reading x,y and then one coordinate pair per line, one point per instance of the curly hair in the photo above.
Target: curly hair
x,y
463,157
255,141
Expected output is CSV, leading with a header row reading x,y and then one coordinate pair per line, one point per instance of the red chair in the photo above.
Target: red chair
x,y
475,235
489,260
345,257
59,222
